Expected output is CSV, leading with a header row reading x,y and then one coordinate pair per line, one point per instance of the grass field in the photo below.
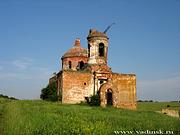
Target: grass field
x,y
157,106
26,117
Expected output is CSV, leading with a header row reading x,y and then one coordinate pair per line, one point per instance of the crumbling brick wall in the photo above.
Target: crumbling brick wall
x,y
126,86
76,86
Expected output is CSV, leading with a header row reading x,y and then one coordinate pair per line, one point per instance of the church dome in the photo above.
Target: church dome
x,y
95,33
76,50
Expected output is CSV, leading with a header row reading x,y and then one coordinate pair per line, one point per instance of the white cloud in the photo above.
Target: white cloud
x,y
30,74
23,68
44,70
23,77
22,63
164,89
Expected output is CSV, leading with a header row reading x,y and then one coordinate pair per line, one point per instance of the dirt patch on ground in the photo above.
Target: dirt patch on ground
x,y
171,112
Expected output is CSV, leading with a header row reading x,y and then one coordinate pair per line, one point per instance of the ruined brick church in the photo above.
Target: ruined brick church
x,y
85,72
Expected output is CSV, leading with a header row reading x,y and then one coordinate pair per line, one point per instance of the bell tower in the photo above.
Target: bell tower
x,y
97,47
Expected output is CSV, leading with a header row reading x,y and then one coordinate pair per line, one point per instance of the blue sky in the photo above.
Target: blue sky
x,y
145,40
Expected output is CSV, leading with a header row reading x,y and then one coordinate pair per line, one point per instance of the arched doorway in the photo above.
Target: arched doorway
x,y
109,97
108,94
81,65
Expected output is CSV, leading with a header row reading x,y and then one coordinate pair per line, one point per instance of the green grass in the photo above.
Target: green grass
x,y
157,106
26,117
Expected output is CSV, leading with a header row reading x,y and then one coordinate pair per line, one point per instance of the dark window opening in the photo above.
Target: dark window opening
x,y
101,81
81,65
109,97
101,49
70,64
88,50
84,83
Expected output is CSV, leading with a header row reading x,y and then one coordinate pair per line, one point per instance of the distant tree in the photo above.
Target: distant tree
x,y
5,96
145,101
12,98
151,101
139,101
49,93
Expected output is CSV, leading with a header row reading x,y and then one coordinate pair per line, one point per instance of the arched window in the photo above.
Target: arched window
x,y
101,49
109,97
81,65
70,64
88,50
